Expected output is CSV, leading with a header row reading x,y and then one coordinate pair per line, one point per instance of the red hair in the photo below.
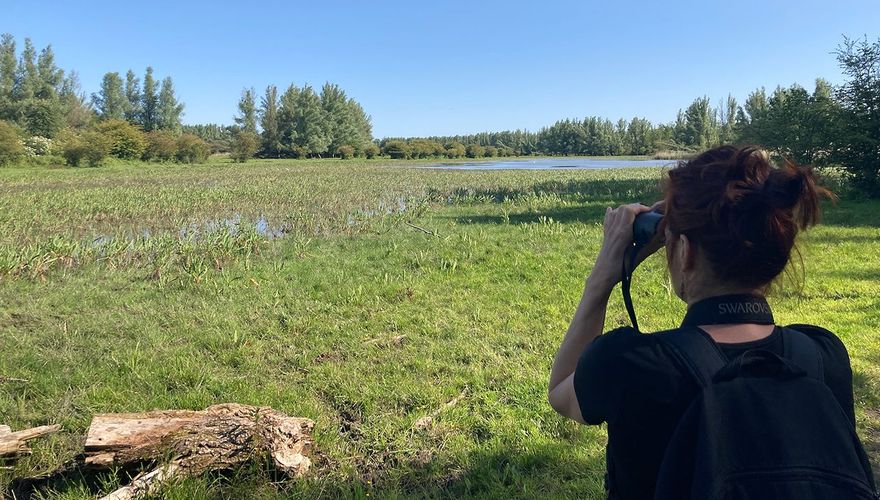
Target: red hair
x,y
742,211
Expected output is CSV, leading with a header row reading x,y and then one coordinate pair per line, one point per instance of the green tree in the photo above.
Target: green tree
x,y
11,148
49,75
287,120
396,149
244,145
149,102
191,149
126,140
43,117
161,146
729,132
169,109
91,146
247,109
27,78
475,151
77,111
133,98
371,151
858,148
455,150
271,143
7,68
701,126
110,100
310,125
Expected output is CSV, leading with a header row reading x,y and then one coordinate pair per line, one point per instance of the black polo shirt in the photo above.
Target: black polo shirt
x,y
631,381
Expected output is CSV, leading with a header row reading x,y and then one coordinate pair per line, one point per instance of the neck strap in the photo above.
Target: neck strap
x,y
725,309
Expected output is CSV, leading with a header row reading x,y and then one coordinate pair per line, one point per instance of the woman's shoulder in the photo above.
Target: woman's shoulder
x,y
829,343
625,349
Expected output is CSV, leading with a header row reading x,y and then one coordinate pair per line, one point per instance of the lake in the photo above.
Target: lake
x,y
552,163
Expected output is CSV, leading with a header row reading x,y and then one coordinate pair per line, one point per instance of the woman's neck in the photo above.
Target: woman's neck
x,y
702,293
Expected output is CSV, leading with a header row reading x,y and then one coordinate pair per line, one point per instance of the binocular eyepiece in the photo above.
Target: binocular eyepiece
x,y
644,228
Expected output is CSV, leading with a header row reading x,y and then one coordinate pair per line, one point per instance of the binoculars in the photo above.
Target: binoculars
x,y
644,229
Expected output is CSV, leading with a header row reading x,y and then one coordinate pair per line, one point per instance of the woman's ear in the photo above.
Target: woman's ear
x,y
687,253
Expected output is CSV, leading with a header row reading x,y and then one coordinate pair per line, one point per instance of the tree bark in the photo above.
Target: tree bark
x,y
15,443
220,437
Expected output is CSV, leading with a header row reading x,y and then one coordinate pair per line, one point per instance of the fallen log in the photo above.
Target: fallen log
x,y
15,443
220,437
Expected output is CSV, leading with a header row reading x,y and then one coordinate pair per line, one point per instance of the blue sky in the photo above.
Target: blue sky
x,y
446,67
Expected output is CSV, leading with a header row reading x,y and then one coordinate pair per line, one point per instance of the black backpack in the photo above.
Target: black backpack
x,y
762,427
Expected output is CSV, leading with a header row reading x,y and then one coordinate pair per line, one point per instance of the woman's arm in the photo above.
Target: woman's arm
x,y
589,318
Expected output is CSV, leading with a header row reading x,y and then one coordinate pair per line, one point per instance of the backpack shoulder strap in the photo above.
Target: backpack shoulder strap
x,y
696,351
803,351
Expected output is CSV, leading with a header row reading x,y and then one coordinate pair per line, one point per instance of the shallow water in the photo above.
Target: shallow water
x,y
552,164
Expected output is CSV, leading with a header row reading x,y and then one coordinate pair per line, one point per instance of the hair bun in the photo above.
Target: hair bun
x,y
743,211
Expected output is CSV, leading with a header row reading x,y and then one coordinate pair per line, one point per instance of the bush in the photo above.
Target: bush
x,y
490,151
91,146
475,151
126,140
397,150
192,149
346,151
371,151
161,146
455,150
244,145
11,148
38,146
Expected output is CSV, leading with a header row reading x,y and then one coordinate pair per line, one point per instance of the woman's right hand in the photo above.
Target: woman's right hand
x,y
618,236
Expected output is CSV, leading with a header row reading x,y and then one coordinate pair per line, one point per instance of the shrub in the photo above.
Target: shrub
x,y
397,150
244,145
39,146
490,151
192,149
422,148
161,146
126,140
346,151
475,151
91,146
455,150
371,151
299,151
11,148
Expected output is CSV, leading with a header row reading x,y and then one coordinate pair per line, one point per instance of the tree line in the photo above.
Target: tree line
x,y
44,112
823,127
301,123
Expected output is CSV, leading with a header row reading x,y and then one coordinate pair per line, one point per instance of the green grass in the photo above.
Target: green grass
x,y
354,318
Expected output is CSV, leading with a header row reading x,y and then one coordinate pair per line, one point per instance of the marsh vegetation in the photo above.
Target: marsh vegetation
x,y
363,295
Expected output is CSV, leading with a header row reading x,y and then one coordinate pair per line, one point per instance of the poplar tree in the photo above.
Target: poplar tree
x,y
247,108
110,100
7,77
168,110
149,102
77,111
287,120
133,96
337,125
310,130
49,75
269,122
26,81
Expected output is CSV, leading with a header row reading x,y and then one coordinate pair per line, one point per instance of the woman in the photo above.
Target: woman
x,y
731,219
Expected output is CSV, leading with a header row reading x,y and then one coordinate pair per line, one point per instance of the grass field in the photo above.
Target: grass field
x,y
362,295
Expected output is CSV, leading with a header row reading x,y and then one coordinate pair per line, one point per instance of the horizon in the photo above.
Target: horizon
x,y
466,68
